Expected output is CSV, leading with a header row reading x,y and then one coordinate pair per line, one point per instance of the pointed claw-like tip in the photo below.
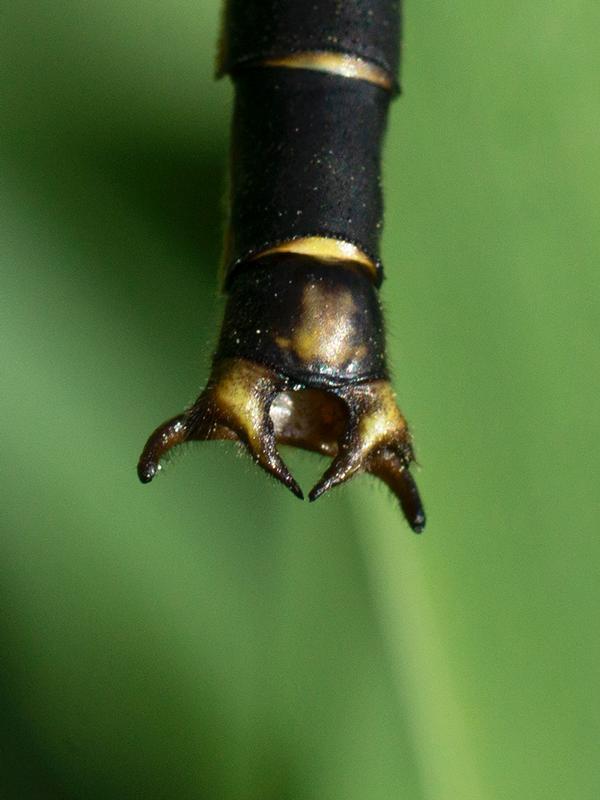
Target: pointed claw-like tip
x,y
294,487
394,469
146,470
317,491
269,459
418,522
342,469
410,501
164,438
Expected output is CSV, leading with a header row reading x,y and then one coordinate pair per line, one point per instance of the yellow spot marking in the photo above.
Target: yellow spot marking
x,y
343,64
382,421
239,393
324,248
326,330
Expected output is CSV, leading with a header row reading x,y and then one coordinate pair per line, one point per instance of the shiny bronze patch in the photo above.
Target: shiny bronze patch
x,y
325,331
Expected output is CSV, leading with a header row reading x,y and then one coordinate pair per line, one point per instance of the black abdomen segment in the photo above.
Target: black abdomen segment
x,y
306,151
316,322
256,30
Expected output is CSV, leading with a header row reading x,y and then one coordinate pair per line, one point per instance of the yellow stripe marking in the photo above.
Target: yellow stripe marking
x,y
323,248
335,64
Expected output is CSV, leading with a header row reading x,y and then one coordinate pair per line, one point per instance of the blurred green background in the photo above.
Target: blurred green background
x,y
209,636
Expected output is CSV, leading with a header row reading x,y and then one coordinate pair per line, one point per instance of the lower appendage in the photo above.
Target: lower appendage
x,y
301,362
